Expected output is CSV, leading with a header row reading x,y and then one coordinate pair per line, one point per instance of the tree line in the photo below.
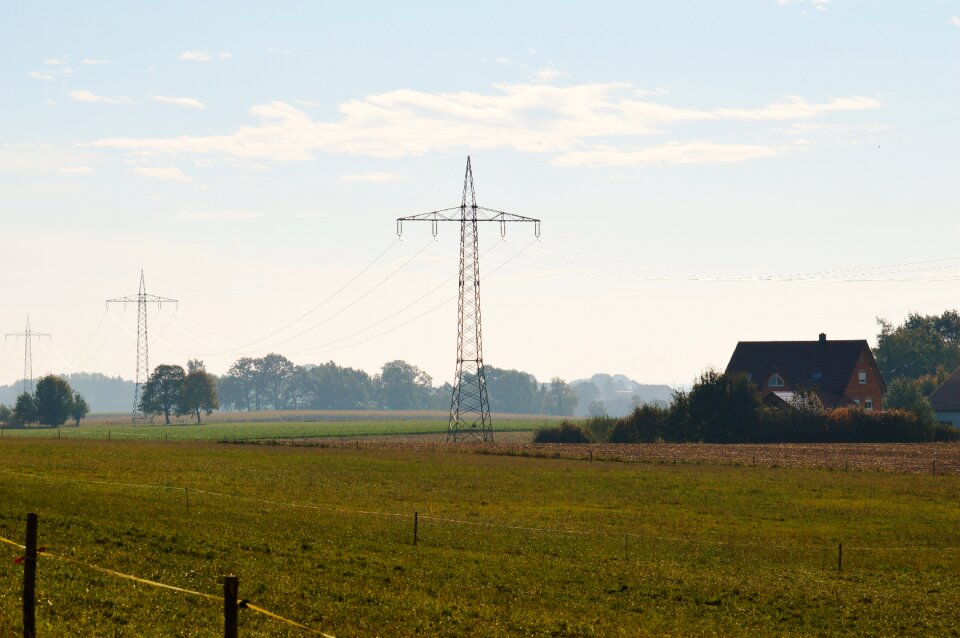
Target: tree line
x,y
52,403
273,382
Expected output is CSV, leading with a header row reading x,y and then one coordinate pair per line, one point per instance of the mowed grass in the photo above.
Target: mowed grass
x,y
254,430
507,545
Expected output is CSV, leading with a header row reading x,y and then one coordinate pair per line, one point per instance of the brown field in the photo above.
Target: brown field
x,y
277,416
911,458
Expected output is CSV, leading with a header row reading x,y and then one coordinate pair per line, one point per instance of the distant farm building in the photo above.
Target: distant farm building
x,y
945,400
841,373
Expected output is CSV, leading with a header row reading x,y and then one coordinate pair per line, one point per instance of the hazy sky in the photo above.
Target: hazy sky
x,y
688,160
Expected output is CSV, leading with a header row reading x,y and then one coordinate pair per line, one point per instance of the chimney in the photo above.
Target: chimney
x,y
823,337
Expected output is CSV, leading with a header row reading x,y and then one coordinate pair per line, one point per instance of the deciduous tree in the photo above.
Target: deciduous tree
x,y
163,392
54,400
199,393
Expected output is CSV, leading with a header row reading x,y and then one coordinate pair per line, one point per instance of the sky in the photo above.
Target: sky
x,y
705,173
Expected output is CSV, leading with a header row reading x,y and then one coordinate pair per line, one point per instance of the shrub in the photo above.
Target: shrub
x,y
645,424
566,432
599,428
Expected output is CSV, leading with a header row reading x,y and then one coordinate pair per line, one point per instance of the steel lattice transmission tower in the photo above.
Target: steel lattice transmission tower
x,y
142,299
28,336
470,404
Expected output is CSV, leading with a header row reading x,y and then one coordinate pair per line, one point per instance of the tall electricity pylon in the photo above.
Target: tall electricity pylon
x,y
470,405
28,336
142,299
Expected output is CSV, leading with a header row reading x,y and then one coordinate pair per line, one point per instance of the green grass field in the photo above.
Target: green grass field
x,y
507,545
253,430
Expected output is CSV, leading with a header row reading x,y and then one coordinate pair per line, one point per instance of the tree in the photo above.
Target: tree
x,y
6,414
512,391
722,408
162,393
80,409
230,393
244,370
403,386
919,346
559,398
54,400
24,410
907,395
273,372
199,393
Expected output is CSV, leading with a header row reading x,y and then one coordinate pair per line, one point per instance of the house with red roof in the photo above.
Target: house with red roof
x,y
841,372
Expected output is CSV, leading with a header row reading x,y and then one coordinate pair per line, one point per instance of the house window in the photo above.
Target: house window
x,y
868,404
862,377
775,381
857,401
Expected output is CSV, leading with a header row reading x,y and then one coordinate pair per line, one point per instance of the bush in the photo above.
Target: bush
x,y
599,428
944,432
645,424
566,432
844,425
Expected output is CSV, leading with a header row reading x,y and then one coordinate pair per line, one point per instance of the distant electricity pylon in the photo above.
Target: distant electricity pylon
x,y
143,350
28,336
470,404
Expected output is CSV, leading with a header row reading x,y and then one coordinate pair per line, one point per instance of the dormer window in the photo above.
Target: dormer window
x,y
775,381
862,377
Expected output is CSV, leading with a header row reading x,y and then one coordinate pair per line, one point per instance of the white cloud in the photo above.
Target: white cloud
x,y
91,98
95,61
670,153
530,118
195,56
189,102
171,173
76,170
53,62
214,216
548,75
204,56
820,5
955,21
371,177
41,75
502,60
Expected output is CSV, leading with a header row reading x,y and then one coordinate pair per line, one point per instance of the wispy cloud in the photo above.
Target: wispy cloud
x,y
93,61
819,5
533,118
76,170
188,102
371,177
92,98
955,21
41,75
213,215
171,173
548,75
204,56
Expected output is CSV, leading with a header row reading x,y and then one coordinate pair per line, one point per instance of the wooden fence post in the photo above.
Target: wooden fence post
x,y
416,524
30,579
231,586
